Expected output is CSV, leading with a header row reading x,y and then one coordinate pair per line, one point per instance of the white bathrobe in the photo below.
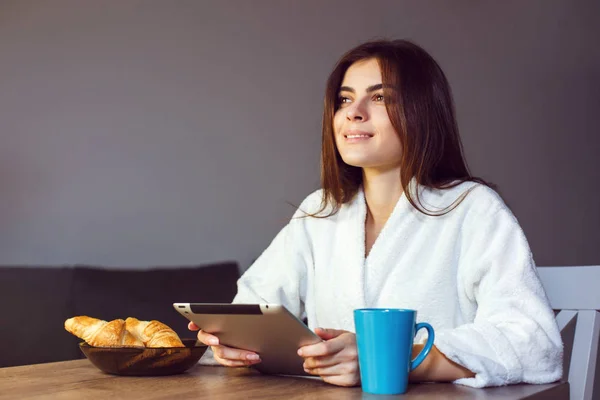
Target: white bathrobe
x,y
469,273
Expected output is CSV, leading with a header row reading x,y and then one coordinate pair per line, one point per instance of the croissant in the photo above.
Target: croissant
x,y
119,333
153,333
100,333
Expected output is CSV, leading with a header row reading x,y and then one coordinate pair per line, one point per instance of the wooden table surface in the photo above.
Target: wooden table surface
x,y
79,379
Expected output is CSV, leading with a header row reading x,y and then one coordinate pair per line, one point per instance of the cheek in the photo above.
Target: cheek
x,y
338,121
338,124
388,134
383,124
381,119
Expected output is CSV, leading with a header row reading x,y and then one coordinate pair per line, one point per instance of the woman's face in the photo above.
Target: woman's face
x,y
364,134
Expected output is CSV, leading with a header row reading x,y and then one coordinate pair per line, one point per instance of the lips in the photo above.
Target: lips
x,y
357,136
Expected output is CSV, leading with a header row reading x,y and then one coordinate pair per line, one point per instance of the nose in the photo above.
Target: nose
x,y
356,112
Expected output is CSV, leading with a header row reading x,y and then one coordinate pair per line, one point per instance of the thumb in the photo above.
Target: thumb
x,y
327,333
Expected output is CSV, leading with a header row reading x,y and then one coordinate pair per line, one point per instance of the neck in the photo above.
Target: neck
x,y
382,192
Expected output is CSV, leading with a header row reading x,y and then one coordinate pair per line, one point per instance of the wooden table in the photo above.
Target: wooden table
x,y
79,379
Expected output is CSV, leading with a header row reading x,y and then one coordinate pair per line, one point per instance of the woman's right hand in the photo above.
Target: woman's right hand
x,y
224,355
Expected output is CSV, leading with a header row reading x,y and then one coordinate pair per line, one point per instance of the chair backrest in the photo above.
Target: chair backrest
x,y
575,293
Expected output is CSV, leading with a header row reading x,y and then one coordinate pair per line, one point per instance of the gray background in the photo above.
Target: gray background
x,y
141,133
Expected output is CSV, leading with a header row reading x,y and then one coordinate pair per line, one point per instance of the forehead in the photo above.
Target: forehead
x,y
362,73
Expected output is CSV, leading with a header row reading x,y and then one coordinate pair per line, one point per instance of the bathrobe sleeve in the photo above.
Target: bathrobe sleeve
x,y
514,337
279,275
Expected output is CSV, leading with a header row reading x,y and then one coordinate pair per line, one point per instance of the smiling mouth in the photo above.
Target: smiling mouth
x,y
358,136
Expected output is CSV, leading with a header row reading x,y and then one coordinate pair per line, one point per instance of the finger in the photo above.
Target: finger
x,y
231,354
328,347
349,368
235,363
207,338
320,362
328,333
193,327
226,363
342,380
348,354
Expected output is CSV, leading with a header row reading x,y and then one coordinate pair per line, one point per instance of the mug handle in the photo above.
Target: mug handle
x,y
419,359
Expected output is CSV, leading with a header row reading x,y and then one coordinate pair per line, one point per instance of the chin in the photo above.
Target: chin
x,y
357,162
371,162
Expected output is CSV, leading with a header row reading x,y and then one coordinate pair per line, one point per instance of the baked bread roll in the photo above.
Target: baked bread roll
x,y
120,333
153,333
99,333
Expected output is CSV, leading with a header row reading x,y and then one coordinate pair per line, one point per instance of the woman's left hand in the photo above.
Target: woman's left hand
x,y
335,359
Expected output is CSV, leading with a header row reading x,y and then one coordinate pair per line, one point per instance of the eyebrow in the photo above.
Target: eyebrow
x,y
370,89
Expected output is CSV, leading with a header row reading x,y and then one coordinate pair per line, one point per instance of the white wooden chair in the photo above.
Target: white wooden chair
x,y
575,293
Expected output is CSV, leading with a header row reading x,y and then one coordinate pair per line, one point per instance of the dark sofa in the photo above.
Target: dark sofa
x,y
35,302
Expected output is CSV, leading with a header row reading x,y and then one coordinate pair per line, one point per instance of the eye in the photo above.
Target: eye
x,y
378,98
343,100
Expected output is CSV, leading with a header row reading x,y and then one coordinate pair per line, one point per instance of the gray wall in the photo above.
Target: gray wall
x,y
139,133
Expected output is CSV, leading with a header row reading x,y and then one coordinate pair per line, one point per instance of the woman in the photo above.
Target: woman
x,y
400,222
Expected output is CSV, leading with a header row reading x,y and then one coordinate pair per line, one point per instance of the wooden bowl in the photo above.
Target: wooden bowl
x,y
145,361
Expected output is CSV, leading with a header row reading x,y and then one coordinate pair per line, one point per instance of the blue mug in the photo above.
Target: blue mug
x,y
384,337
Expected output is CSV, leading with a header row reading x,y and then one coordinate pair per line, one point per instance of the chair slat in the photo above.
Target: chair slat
x,y
572,288
585,350
564,317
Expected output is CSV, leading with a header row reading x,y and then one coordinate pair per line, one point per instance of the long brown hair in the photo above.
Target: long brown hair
x,y
422,113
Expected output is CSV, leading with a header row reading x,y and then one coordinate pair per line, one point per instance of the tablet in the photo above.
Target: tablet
x,y
270,330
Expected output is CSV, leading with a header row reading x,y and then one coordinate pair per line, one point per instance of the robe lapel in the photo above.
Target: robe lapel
x,y
388,249
348,287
